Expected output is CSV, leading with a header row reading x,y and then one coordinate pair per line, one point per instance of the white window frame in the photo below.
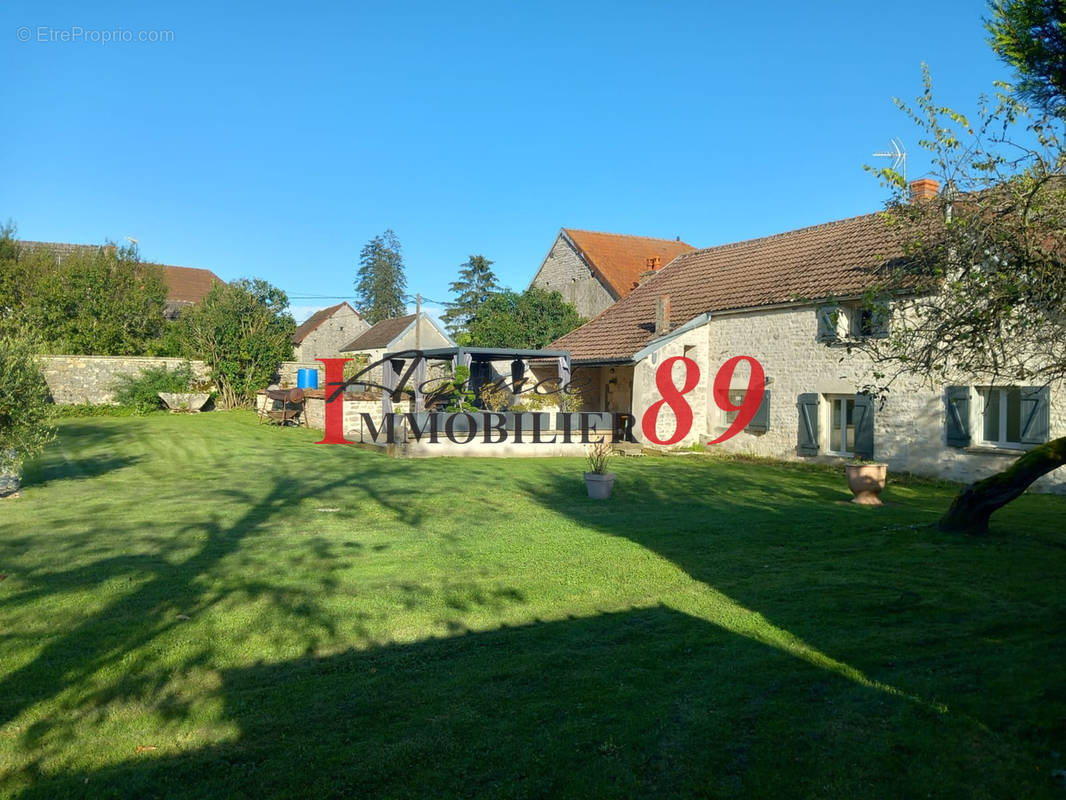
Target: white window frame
x,y
983,394
832,402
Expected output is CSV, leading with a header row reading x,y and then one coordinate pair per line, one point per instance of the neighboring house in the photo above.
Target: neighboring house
x,y
748,298
593,270
186,286
326,331
401,333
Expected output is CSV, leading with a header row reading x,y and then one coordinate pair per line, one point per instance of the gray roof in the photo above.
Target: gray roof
x,y
380,335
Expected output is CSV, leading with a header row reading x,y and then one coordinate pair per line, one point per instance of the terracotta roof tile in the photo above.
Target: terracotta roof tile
x,y
619,259
379,335
834,259
188,284
317,319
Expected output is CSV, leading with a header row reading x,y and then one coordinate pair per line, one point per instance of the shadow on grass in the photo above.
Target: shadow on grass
x,y
976,624
57,465
647,702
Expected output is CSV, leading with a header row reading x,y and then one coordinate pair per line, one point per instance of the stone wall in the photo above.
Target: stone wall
x,y
289,371
564,271
909,430
91,379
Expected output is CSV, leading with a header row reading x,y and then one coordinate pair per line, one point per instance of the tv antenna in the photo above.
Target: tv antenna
x,y
898,153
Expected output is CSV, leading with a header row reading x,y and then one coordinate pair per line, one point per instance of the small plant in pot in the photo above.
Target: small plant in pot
x,y
598,480
866,479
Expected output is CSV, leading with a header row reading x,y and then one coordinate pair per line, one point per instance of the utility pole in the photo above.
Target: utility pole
x,y
418,321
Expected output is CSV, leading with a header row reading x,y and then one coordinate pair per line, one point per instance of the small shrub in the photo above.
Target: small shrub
x,y
140,393
597,457
570,403
534,401
493,396
462,398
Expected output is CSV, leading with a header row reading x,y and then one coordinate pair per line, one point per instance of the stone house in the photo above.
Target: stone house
x,y
592,270
414,331
752,298
326,331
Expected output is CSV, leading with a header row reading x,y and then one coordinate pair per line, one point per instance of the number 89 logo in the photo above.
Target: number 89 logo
x,y
675,398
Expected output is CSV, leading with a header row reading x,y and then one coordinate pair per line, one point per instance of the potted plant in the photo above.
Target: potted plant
x,y
866,479
598,480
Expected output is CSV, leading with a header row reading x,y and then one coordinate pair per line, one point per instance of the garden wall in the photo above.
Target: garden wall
x,y
91,379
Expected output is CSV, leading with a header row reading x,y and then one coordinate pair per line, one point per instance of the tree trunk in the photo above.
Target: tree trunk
x,y
970,511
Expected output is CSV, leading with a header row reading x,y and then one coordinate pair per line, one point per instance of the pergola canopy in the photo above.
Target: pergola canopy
x,y
394,363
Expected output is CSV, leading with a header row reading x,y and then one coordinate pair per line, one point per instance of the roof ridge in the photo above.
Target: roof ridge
x,y
628,236
780,235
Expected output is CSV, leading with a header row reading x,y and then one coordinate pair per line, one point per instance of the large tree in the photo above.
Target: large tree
x,y
476,284
1030,35
242,331
980,294
530,320
380,285
93,301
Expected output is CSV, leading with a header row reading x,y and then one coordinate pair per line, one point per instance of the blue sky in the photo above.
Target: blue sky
x,y
275,140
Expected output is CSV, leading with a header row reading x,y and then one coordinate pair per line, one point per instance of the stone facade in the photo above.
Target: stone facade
x,y
91,379
429,337
330,335
910,432
565,272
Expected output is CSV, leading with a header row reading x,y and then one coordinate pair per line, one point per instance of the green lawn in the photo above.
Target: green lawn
x,y
198,606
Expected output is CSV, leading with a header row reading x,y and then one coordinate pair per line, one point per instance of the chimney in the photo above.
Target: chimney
x,y
923,189
662,314
650,267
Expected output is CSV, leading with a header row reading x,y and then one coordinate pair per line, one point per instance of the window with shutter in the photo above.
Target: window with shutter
x,y
807,444
761,421
957,416
829,323
1035,414
841,426
870,323
1001,416
864,426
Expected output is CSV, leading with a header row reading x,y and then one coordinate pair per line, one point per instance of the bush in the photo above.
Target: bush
x,y
24,404
242,332
140,393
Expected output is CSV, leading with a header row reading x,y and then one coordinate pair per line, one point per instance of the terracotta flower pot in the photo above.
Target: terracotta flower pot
x,y
866,481
599,484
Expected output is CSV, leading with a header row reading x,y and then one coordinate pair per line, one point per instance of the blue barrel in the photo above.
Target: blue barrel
x,y
307,378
